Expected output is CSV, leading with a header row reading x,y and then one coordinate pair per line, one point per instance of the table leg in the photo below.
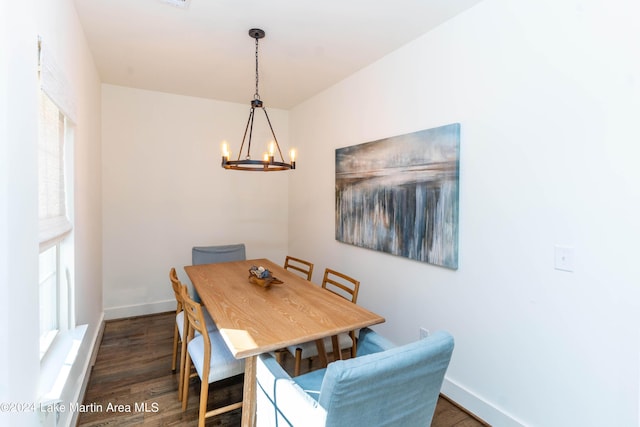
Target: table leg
x,y
322,352
249,392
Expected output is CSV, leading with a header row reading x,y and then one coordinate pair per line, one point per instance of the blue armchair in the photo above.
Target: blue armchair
x,y
385,385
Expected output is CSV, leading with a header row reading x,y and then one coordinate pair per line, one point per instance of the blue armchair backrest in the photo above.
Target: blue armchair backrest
x,y
386,385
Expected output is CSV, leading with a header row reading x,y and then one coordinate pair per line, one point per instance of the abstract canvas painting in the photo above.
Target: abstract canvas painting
x,y
400,195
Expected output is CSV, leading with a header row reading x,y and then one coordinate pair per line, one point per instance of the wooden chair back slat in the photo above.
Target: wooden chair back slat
x,y
340,284
299,265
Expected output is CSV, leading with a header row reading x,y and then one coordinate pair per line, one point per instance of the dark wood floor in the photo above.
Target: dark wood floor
x,y
132,384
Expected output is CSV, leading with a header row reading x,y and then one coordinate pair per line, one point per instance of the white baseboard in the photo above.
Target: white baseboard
x,y
478,406
139,309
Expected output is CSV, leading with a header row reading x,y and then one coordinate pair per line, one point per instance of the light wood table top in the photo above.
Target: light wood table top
x,y
254,320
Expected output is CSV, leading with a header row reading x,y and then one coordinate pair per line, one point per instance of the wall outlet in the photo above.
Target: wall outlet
x,y
563,258
424,332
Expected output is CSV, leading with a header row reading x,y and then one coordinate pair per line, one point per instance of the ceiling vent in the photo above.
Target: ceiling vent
x,y
182,4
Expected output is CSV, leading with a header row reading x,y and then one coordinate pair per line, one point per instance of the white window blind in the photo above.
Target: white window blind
x,y
56,107
55,84
52,212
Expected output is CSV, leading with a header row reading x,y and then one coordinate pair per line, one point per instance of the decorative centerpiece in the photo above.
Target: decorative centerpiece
x,y
261,276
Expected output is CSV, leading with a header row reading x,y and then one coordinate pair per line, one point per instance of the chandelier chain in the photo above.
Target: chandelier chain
x,y
256,95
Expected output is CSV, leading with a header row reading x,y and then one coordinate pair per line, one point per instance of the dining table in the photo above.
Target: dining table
x,y
255,319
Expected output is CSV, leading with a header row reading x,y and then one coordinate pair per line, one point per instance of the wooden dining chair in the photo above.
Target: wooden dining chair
x,y
347,288
181,326
209,355
177,333
341,285
304,268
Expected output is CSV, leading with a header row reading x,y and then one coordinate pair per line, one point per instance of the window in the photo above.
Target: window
x,y
54,145
49,295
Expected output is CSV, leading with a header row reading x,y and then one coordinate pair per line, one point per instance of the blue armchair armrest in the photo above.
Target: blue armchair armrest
x,y
281,401
370,342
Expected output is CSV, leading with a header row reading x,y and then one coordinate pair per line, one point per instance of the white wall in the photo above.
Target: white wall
x,y
165,192
547,94
18,210
57,23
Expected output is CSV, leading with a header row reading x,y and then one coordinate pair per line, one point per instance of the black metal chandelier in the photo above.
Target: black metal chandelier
x,y
268,163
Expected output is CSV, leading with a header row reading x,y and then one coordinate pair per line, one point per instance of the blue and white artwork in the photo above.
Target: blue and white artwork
x,y
400,195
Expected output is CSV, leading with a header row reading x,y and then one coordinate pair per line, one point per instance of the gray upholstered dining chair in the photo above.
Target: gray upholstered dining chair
x,y
216,254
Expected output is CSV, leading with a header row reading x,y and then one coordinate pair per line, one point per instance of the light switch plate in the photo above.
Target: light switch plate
x,y
564,258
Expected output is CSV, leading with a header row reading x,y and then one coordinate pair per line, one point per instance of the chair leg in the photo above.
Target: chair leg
x,y
185,382
181,374
204,395
174,358
335,348
296,366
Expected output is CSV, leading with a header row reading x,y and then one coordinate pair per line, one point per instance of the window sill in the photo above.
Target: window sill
x,y
58,361
46,341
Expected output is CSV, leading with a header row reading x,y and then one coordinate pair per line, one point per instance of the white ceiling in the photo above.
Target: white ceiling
x,y
205,50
